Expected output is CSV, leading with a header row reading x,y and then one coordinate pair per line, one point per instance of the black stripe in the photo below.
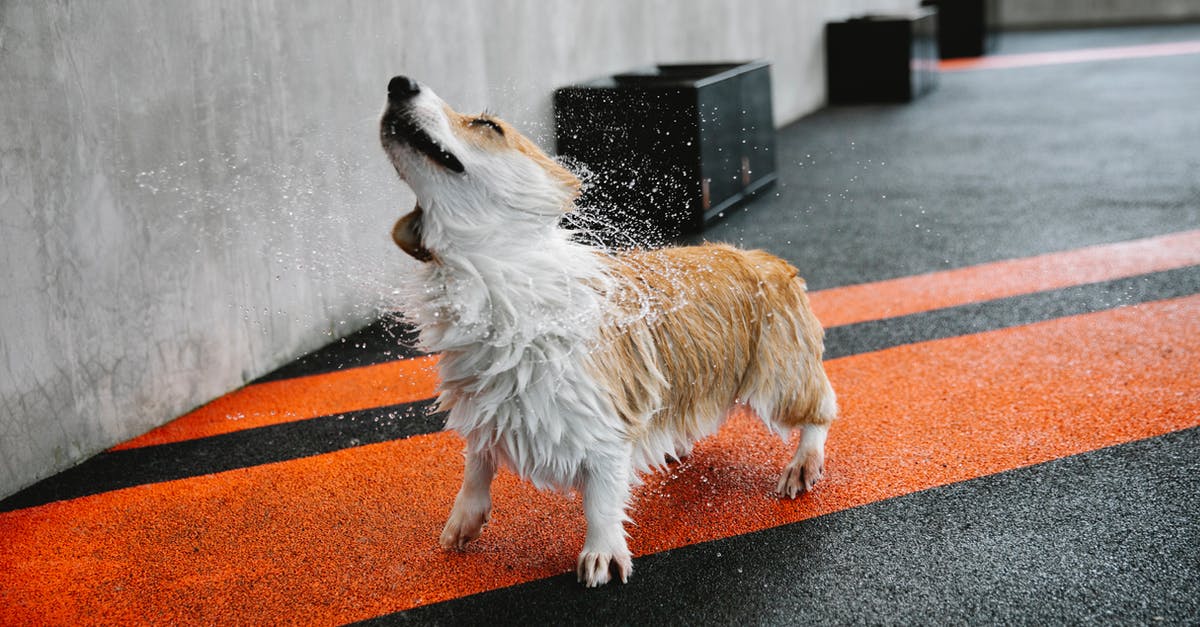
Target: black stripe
x,y
113,470
119,469
386,339
865,337
1105,537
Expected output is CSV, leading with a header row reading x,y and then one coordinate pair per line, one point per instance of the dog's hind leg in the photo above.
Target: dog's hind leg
x,y
807,466
473,505
605,496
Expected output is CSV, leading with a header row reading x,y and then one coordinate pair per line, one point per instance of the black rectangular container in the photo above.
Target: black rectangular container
x,y
669,147
880,58
966,28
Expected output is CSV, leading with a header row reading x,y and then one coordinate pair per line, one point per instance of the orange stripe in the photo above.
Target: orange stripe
x,y
288,400
913,294
352,534
402,382
1070,56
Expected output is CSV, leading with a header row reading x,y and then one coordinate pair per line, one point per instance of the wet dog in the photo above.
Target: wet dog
x,y
574,367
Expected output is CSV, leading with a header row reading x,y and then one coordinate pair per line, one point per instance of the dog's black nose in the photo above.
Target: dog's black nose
x,y
402,88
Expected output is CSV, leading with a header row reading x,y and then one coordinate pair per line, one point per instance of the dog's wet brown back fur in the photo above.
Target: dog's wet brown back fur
x,y
696,330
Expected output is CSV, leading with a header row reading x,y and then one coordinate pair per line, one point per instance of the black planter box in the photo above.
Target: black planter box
x,y
881,58
966,28
669,147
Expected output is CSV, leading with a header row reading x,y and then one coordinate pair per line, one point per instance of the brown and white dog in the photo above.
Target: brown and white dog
x,y
576,368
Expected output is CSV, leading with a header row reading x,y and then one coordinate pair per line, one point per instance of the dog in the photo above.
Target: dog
x,y
580,368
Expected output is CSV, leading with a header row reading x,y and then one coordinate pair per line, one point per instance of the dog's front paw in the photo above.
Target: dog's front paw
x,y
801,475
596,568
462,527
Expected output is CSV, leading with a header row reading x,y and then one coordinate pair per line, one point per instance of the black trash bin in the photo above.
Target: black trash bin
x,y
669,147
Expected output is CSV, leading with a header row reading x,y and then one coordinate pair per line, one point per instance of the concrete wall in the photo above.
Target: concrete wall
x,y
1019,14
192,194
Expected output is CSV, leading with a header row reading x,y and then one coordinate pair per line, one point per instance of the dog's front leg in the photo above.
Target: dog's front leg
x,y
605,495
473,505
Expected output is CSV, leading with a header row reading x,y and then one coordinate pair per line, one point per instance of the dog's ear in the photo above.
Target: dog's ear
x,y
407,235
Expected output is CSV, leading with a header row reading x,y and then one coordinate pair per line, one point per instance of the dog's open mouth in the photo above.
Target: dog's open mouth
x,y
397,127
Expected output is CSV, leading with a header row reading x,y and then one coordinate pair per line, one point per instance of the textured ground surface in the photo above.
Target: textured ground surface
x,y
1009,270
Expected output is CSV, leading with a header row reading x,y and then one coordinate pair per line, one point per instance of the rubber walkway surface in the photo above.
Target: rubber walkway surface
x,y
1017,440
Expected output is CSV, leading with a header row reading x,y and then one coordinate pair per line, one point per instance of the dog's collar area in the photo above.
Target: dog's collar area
x,y
407,235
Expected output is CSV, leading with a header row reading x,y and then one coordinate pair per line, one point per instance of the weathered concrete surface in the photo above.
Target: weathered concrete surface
x,y
191,194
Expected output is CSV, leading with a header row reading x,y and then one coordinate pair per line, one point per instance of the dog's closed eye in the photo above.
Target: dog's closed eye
x,y
489,123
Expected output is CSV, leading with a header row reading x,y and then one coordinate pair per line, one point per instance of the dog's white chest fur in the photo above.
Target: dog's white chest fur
x,y
516,336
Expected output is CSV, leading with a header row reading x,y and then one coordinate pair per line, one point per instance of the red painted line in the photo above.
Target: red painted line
x,y
1070,56
288,400
926,292
352,534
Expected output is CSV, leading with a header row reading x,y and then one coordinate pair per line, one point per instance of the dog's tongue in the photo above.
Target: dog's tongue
x,y
407,235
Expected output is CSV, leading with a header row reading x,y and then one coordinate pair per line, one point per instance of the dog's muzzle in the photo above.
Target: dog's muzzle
x,y
398,125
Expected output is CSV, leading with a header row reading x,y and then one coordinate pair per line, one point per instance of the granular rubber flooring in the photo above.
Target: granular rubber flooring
x,y
1009,273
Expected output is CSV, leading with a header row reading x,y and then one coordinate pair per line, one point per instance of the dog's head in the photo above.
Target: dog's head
x,y
472,174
